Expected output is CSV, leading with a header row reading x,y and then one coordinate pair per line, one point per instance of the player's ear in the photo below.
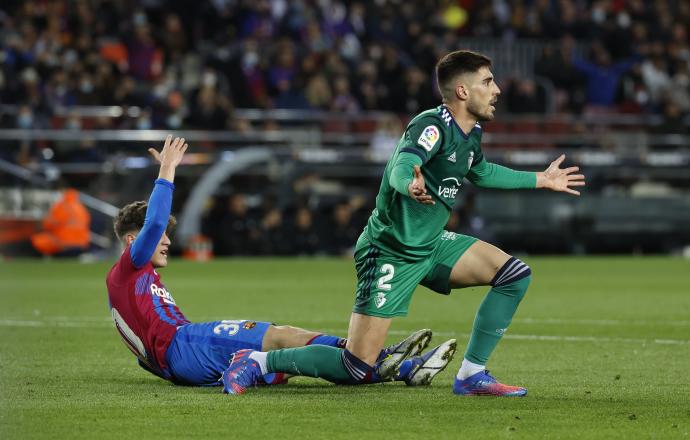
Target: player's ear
x,y
129,238
461,92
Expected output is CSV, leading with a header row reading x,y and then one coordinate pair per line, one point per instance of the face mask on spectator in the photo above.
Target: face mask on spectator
x,y
29,75
86,86
73,124
249,60
160,91
144,124
25,120
174,121
70,57
209,79
139,19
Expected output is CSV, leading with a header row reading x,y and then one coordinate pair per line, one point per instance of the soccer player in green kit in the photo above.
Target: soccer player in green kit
x,y
404,243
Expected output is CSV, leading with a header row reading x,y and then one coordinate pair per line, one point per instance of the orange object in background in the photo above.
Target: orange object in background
x,y
200,249
66,227
115,52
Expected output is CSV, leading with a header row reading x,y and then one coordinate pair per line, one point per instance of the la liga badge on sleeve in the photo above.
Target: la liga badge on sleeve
x,y
429,137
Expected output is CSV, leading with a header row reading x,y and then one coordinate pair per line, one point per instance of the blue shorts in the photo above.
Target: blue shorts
x,y
201,352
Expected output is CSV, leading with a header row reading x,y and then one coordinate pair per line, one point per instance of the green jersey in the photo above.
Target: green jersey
x,y
403,226
408,229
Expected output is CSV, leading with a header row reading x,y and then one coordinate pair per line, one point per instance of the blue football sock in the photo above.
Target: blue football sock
x,y
331,341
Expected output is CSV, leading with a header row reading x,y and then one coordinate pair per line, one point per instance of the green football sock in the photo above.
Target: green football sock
x,y
493,318
313,360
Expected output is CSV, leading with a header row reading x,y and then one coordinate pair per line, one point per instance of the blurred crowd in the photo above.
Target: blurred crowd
x,y
236,226
189,63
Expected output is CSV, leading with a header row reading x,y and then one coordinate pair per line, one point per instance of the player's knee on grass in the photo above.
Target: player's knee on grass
x,y
359,372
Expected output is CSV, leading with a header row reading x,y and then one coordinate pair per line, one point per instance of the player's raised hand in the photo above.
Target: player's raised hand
x,y
417,190
170,156
556,178
172,152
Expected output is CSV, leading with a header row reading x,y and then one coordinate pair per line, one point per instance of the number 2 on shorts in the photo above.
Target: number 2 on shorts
x,y
388,270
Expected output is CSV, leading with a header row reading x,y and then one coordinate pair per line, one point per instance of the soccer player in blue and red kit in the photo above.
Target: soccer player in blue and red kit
x,y
169,346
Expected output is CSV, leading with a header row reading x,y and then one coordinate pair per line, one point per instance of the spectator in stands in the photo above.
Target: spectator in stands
x,y
303,238
100,53
673,120
128,94
556,64
318,92
231,228
174,39
209,111
413,94
283,67
26,120
343,100
86,92
524,96
291,95
342,231
65,227
58,92
105,81
680,85
87,151
656,78
385,138
245,72
145,58
368,91
272,229
603,76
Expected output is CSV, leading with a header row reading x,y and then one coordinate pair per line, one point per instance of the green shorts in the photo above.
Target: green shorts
x,y
385,283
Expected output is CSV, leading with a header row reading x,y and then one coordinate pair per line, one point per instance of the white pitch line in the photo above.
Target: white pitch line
x,y
103,323
603,322
34,323
550,338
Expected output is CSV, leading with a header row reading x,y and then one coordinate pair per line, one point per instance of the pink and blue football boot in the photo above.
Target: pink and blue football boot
x,y
484,384
242,373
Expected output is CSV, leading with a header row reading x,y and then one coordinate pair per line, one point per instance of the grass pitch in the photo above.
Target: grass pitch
x,y
603,345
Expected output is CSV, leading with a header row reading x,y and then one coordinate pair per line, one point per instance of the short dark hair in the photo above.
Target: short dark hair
x,y
457,63
131,219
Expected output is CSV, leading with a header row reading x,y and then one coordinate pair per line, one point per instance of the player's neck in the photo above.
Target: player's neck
x,y
462,117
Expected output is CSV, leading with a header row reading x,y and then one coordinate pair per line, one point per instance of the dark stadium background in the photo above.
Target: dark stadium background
x,y
292,107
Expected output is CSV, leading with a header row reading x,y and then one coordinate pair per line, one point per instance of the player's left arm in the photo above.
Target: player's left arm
x,y
490,175
160,202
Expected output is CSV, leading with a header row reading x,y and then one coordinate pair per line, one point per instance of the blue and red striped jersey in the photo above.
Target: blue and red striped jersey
x,y
144,311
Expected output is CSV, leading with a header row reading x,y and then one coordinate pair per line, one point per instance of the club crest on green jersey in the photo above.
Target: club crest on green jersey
x,y
470,160
429,137
380,300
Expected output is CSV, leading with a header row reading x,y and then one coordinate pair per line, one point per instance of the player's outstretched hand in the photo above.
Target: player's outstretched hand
x,y
560,179
172,152
417,190
170,156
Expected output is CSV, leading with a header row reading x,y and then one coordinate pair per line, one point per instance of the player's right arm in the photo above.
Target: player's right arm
x,y
422,139
160,202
